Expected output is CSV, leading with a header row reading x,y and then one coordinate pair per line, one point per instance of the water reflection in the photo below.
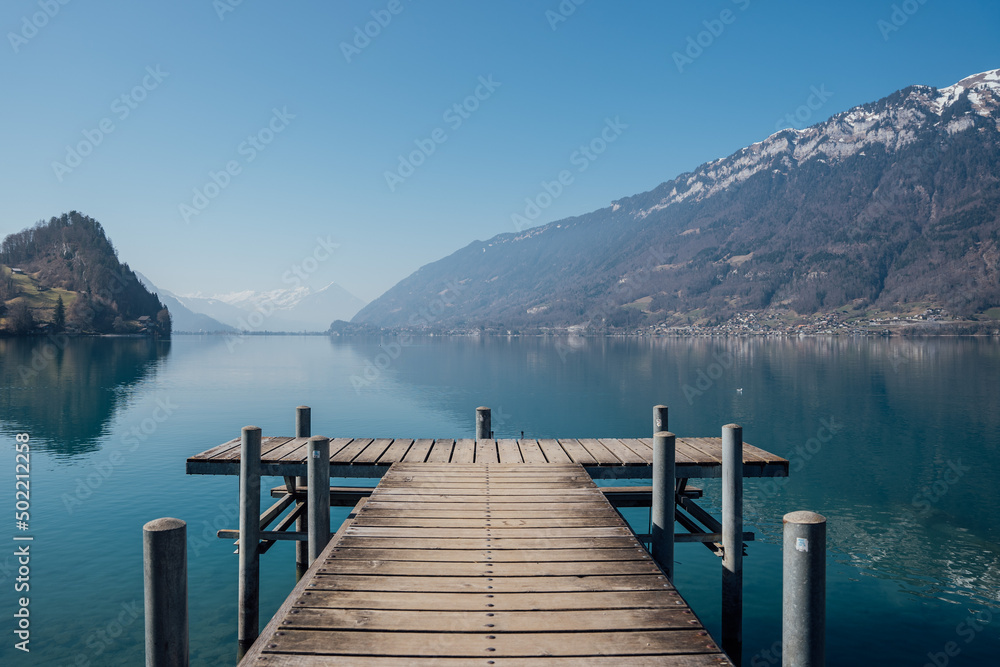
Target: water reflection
x,y
64,391
894,440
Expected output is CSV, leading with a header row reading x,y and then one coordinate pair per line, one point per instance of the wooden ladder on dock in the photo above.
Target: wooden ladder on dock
x,y
484,564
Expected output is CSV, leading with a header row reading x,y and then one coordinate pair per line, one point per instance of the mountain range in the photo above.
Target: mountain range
x,y
294,309
891,205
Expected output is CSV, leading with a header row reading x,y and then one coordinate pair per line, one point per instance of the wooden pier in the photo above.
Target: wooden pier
x,y
623,458
486,551
484,564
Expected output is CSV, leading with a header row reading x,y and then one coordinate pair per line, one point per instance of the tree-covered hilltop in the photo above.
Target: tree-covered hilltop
x,y
64,275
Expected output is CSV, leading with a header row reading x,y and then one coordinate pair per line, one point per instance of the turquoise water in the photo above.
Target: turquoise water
x,y
914,551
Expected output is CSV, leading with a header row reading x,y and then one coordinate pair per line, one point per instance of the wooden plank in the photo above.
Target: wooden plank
x,y
496,543
434,532
766,457
465,451
509,451
707,450
266,445
396,451
488,601
518,522
418,451
497,569
684,454
347,452
373,452
440,451
293,449
535,645
397,552
531,452
410,505
553,451
462,485
623,453
217,450
486,451
601,454
577,452
623,620
488,584
699,660
641,449
498,491
460,512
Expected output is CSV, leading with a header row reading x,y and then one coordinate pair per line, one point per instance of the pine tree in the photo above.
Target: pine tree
x,y
59,320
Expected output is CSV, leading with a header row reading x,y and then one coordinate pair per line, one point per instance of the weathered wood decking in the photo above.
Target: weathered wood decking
x,y
601,457
455,563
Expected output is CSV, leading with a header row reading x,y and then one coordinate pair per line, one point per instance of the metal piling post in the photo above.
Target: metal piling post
x,y
732,541
660,419
164,568
303,429
484,423
662,504
803,597
249,585
318,501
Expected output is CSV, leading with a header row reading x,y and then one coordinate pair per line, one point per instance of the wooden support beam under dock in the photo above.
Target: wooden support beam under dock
x,y
494,564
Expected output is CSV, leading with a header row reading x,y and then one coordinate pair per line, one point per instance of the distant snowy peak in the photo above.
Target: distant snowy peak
x,y
892,122
279,298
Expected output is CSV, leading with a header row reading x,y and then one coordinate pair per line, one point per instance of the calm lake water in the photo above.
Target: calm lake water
x,y
914,550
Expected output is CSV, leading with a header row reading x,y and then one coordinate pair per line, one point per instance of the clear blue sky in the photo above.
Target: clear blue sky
x,y
323,174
